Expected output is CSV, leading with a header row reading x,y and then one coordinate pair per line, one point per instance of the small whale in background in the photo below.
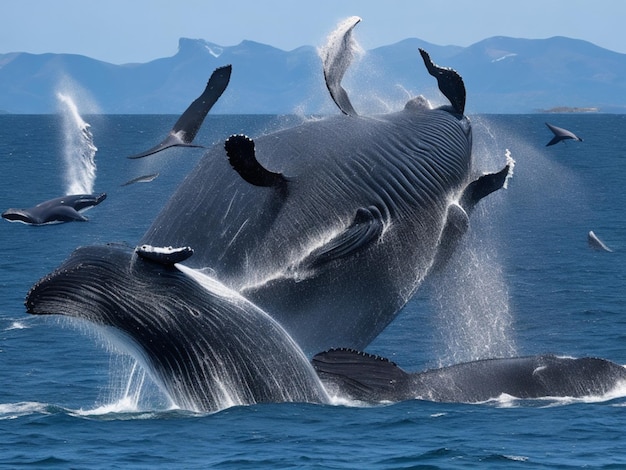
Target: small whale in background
x,y
187,126
596,243
561,135
57,210
142,179
372,379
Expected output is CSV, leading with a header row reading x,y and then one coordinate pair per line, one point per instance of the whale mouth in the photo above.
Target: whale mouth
x,y
14,215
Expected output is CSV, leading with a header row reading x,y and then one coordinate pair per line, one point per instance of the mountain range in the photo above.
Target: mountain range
x,y
501,74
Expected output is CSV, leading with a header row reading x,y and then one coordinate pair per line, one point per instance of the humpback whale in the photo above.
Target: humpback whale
x,y
561,135
597,244
332,225
57,210
207,347
188,124
329,227
372,379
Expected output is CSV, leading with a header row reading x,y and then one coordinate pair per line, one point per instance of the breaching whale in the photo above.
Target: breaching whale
x,y
206,346
331,226
372,379
188,124
57,210
561,135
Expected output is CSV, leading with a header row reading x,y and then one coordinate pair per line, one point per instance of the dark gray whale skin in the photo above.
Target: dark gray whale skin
x,y
188,124
561,135
372,379
206,348
57,210
352,226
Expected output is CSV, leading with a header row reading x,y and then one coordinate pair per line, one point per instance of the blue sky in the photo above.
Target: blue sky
x,y
122,31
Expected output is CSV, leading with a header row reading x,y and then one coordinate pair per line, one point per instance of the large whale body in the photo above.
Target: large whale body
x,y
372,379
332,225
206,346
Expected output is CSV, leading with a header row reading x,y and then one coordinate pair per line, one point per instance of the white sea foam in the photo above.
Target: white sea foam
x,y
16,325
15,410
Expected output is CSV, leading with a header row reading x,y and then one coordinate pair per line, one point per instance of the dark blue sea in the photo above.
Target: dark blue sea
x,y
524,282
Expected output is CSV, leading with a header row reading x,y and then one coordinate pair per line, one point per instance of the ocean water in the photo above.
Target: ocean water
x,y
524,282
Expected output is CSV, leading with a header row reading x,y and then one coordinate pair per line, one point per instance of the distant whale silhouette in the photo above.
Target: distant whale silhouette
x,y
595,243
142,179
186,127
331,226
206,346
57,210
561,135
372,379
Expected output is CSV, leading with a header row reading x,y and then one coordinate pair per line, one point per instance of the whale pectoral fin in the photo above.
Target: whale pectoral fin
x,y
361,376
65,214
242,157
457,218
366,228
336,59
555,140
484,186
450,83
85,201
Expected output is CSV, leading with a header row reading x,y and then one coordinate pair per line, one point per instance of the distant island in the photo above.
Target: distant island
x,y
569,109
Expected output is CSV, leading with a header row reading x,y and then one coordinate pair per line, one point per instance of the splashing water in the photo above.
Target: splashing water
x,y
470,296
130,390
472,302
79,150
334,43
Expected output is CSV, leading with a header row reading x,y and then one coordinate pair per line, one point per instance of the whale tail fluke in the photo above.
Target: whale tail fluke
x,y
188,124
336,57
359,375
